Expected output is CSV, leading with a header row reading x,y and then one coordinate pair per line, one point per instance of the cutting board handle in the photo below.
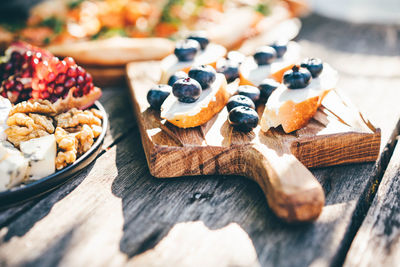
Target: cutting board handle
x,y
292,191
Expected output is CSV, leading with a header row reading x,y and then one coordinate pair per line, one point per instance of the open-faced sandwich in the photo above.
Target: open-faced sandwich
x,y
192,100
293,103
46,115
269,62
193,51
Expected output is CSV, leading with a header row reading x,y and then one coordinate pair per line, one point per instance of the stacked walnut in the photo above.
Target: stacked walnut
x,y
74,130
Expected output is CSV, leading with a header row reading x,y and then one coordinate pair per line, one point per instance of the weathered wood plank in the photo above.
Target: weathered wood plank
x,y
377,242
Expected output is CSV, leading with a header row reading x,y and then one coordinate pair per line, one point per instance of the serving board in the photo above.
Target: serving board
x,y
338,134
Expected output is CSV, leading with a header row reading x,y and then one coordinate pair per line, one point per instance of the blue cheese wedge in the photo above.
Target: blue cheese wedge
x,y
13,166
5,107
41,154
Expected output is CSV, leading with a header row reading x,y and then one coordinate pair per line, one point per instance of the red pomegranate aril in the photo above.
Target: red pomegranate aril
x,y
86,89
19,87
80,80
70,61
60,78
58,90
71,72
61,67
51,77
70,82
8,84
88,78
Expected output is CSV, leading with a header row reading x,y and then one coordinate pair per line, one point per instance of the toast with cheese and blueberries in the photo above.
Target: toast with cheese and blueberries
x,y
191,100
269,62
193,51
293,103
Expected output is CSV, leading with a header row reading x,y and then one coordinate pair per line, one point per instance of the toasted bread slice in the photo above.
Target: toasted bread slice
x,y
252,74
116,51
209,56
293,108
188,115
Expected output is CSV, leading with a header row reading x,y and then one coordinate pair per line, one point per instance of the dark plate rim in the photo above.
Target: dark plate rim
x,y
25,188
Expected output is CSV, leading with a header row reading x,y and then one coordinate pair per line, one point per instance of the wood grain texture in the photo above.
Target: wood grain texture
x,y
377,242
115,213
339,134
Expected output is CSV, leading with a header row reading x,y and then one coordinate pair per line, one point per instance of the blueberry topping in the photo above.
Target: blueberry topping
x,y
314,65
201,38
238,101
243,118
280,48
265,55
229,68
250,91
176,76
157,95
297,78
266,88
204,74
235,56
187,90
186,50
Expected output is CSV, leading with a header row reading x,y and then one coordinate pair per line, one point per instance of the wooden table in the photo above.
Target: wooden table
x,y
115,213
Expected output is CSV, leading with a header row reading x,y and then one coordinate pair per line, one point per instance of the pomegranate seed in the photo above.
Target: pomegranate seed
x,y
9,84
71,72
51,77
86,89
80,80
70,82
60,78
61,67
19,87
80,71
88,78
70,61
58,90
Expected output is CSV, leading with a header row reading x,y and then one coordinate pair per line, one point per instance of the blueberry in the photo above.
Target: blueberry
x,y
236,56
314,65
201,38
187,90
250,91
176,76
280,48
186,50
266,88
229,68
204,74
296,78
265,55
239,100
157,95
243,118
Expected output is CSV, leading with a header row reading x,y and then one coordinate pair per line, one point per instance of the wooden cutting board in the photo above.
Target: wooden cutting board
x,y
338,134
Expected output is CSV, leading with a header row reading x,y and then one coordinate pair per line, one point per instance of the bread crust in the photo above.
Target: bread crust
x,y
206,113
292,116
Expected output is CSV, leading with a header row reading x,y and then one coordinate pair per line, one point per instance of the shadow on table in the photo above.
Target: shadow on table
x,y
158,213
37,209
